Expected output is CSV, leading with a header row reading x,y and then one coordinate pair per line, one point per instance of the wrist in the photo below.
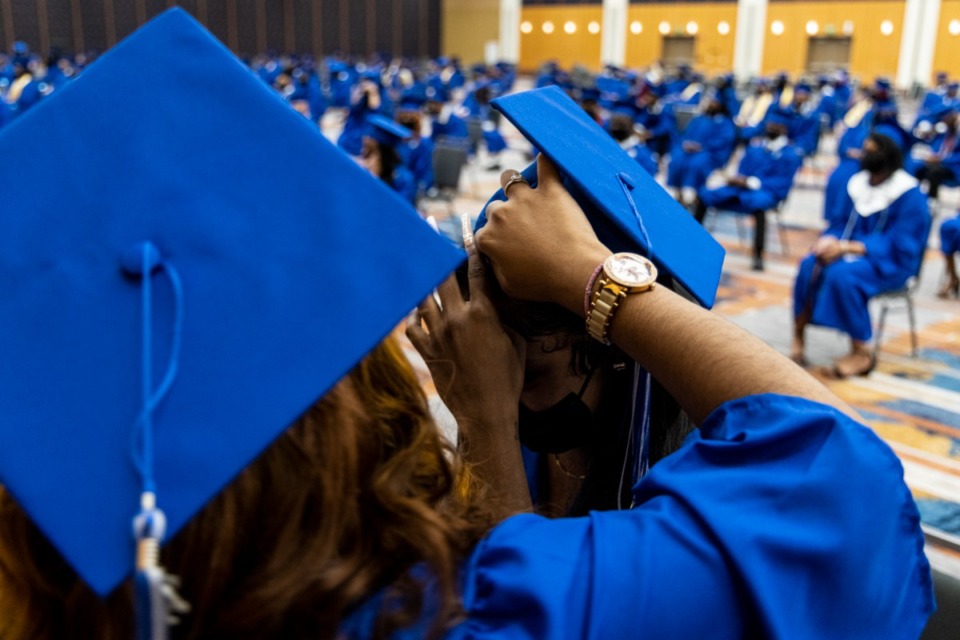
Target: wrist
x,y
572,285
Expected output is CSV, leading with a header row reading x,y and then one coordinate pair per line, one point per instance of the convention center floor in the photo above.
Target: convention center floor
x,y
913,402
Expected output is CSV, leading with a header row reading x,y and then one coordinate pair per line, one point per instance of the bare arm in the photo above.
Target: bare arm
x,y
542,248
478,371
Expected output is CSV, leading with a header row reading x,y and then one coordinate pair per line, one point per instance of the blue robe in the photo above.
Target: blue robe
x,y
839,293
948,159
781,518
417,155
716,136
661,123
774,169
404,184
950,236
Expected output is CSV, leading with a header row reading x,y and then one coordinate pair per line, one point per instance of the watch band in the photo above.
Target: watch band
x,y
602,307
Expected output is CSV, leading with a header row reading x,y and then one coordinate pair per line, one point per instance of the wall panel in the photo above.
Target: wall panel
x,y
946,56
60,25
467,26
713,51
26,27
872,53
581,47
249,26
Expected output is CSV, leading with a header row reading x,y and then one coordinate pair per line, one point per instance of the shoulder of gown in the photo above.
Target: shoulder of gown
x,y
783,518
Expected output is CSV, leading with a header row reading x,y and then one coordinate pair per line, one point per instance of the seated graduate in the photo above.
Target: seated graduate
x,y
873,245
623,130
763,181
416,152
477,107
446,127
355,522
803,120
933,99
942,164
656,119
753,110
704,146
950,246
366,100
380,155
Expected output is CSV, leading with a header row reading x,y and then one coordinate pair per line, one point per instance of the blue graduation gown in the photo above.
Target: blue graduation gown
x,y
895,239
644,157
417,155
716,136
781,518
661,123
950,236
404,184
775,170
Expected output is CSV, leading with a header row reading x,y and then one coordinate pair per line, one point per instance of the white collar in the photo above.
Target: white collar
x,y
777,144
869,199
630,142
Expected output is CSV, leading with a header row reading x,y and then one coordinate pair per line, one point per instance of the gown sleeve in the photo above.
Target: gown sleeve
x,y
783,519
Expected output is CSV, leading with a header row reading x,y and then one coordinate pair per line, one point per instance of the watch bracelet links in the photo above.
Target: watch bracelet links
x,y
602,308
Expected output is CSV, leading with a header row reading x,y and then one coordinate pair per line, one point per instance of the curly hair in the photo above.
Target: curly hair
x,y
357,497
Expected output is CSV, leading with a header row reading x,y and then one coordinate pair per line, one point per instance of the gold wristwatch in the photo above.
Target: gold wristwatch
x,y
623,274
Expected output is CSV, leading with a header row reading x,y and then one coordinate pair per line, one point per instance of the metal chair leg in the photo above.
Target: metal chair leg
x,y
879,337
784,249
739,228
914,348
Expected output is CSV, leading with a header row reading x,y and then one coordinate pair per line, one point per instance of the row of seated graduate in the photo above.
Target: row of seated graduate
x,y
437,99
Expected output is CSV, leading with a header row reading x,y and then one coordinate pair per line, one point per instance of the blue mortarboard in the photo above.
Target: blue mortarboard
x,y
882,84
628,210
387,131
20,47
942,111
779,116
953,86
180,146
802,87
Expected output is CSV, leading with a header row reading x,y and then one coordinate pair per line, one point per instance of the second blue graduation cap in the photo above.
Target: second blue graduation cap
x,y
628,210
254,233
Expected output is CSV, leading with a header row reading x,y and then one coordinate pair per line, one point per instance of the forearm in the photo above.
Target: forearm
x,y
700,358
490,445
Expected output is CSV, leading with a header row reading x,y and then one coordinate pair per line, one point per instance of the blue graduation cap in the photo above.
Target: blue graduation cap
x,y
170,243
387,131
628,210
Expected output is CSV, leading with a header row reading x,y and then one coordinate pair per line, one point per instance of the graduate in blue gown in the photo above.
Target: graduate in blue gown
x,y
416,152
622,128
877,246
656,119
950,246
763,181
367,100
942,165
703,147
381,157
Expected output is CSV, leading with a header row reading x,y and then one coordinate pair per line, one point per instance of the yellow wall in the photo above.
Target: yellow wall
x,y
946,56
871,53
581,47
467,26
713,51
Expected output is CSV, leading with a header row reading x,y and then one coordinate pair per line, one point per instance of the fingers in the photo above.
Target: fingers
x,y
547,173
430,312
450,297
417,336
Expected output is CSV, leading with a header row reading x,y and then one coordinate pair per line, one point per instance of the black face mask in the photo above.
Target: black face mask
x,y
566,425
773,135
872,162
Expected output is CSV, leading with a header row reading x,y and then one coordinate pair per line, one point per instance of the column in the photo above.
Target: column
x,y
751,32
917,43
613,33
510,30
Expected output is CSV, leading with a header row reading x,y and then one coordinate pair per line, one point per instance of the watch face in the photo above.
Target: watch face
x,y
630,269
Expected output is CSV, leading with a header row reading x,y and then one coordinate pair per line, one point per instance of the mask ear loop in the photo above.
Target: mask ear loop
x,y
639,448
156,599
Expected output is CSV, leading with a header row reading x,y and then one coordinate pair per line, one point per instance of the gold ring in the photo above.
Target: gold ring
x,y
514,179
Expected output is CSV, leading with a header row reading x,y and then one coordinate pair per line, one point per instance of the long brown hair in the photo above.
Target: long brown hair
x,y
359,491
